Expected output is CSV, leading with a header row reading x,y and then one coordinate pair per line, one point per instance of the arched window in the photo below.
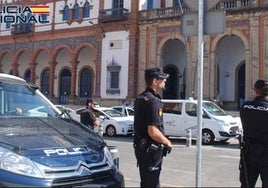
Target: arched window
x,y
85,84
86,10
75,12
113,75
118,3
27,75
65,86
45,82
65,14
118,6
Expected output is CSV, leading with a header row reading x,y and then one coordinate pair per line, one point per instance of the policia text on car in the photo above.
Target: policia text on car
x,y
150,144
254,145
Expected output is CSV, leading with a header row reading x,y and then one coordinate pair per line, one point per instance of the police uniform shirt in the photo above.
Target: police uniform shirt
x,y
147,111
254,117
87,117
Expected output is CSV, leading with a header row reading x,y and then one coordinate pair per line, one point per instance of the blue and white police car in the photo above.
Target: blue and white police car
x,y
40,147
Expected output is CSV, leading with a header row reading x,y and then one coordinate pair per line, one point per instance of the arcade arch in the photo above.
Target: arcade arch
x,y
174,61
6,61
229,69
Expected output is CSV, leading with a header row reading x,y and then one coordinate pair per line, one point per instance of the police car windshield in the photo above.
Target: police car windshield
x,y
213,109
113,113
23,100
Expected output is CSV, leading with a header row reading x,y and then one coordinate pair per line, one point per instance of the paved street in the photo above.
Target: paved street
x,y
219,164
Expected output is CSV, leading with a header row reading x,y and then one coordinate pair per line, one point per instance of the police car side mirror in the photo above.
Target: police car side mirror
x,y
102,117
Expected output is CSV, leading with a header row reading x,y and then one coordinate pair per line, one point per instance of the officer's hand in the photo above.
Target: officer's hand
x,y
168,144
168,149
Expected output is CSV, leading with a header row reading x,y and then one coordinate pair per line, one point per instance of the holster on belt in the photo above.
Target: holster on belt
x,y
141,144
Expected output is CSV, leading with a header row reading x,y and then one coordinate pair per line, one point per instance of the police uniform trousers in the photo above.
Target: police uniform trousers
x,y
256,159
149,177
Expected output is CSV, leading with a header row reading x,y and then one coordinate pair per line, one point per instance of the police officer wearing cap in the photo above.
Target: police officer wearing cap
x,y
150,144
87,116
254,148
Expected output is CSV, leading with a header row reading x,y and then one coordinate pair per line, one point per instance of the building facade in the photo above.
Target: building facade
x,y
77,49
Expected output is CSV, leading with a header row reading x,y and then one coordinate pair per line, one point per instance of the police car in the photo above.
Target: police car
x,y
40,147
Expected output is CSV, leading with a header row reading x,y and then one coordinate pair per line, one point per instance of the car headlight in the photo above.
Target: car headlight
x,y
122,123
15,163
224,123
108,156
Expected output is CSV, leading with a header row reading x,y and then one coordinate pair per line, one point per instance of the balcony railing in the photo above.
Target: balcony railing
x,y
230,6
170,12
234,4
111,15
21,28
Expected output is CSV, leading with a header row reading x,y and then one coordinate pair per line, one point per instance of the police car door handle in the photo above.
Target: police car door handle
x,y
170,121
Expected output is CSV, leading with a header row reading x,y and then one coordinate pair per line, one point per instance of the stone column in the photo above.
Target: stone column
x,y
192,67
74,64
52,77
142,59
96,91
248,83
15,66
206,67
153,47
33,73
254,63
133,54
213,74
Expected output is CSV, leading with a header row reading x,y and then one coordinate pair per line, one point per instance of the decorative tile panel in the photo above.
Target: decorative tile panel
x,y
66,41
7,47
90,39
24,45
42,43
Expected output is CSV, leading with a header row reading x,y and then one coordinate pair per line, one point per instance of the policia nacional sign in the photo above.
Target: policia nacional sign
x,y
27,14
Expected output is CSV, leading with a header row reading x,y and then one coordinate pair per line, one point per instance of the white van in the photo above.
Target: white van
x,y
180,115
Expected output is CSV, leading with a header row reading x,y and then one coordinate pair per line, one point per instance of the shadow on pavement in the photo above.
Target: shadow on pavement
x,y
230,144
127,138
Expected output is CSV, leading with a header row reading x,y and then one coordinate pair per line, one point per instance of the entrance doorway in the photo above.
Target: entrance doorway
x,y
171,91
65,86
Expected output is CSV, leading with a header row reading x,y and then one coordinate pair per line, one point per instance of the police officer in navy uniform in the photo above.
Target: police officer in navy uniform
x,y
150,144
87,116
254,148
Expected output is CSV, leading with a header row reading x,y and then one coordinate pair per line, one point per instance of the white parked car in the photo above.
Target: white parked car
x,y
181,115
71,113
127,110
113,122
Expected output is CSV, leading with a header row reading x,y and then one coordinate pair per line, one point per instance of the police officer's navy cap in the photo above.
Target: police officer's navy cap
x,y
155,73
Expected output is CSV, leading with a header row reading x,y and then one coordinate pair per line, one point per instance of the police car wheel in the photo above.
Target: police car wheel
x,y
110,130
207,137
